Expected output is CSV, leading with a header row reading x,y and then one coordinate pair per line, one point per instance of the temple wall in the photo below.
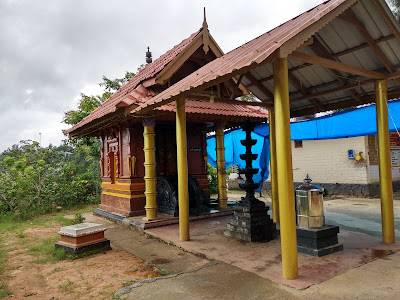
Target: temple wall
x,y
125,193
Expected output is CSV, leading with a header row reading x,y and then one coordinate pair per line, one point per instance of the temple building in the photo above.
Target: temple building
x,y
138,151
340,54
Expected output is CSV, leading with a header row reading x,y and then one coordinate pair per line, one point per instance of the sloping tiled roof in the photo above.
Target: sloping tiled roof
x,y
218,109
254,52
149,71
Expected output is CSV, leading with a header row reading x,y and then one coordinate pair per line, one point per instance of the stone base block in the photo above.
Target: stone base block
x,y
103,245
318,241
83,237
251,223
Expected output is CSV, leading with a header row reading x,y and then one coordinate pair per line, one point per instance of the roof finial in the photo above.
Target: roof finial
x,y
205,25
148,56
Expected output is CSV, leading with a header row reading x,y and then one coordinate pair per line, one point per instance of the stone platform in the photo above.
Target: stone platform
x,y
84,237
318,241
251,223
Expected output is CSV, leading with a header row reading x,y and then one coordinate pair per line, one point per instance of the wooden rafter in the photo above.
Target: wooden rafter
x,y
387,19
335,55
305,91
352,19
335,65
259,86
319,49
364,45
237,86
229,101
333,90
344,103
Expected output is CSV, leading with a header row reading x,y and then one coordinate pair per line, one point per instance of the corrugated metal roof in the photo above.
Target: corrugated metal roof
x,y
334,34
253,52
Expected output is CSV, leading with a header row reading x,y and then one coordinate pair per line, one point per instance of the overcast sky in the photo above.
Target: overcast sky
x,y
51,51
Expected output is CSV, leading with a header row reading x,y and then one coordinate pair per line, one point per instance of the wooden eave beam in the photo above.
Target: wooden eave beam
x,y
343,104
259,86
364,45
334,65
236,86
211,99
334,90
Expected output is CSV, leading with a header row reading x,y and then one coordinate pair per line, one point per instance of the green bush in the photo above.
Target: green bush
x,y
35,180
213,179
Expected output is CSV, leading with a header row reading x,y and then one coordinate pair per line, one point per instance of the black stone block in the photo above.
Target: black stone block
x,y
317,233
108,215
320,252
103,245
318,241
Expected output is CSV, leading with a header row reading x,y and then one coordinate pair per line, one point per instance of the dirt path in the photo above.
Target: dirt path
x,y
94,277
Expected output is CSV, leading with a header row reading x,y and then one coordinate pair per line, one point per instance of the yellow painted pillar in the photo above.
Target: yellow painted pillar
x,y
221,171
150,169
385,169
273,166
285,172
181,147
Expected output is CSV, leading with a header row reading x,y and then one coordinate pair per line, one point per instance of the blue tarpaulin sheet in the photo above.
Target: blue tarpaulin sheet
x,y
233,149
349,123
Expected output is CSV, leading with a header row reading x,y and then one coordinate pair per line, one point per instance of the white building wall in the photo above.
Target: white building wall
x,y
326,161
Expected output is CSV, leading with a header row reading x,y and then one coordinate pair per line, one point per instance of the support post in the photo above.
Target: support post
x,y
181,147
221,171
150,169
285,172
273,166
385,170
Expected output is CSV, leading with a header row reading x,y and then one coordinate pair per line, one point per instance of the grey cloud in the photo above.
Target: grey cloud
x,y
51,50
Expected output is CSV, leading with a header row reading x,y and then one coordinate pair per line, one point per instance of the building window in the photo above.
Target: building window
x,y
298,144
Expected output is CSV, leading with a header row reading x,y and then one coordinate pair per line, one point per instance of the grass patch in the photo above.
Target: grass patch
x,y
4,291
21,234
10,223
68,286
47,251
163,272
127,283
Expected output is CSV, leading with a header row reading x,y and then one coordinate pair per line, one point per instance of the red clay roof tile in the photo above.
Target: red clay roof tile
x,y
149,71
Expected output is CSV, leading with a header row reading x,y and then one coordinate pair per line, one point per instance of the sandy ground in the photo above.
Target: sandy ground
x,y
94,277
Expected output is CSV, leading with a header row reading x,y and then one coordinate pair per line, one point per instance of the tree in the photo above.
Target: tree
x,y
395,7
35,180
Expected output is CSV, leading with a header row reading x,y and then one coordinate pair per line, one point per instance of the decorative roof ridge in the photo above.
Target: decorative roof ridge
x,y
149,71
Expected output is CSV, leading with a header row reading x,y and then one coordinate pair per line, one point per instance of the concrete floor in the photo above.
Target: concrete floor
x,y
213,266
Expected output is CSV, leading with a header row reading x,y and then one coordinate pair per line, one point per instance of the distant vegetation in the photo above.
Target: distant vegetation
x,y
36,180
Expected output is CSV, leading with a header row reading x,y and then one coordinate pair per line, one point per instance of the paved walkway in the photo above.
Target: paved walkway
x,y
196,277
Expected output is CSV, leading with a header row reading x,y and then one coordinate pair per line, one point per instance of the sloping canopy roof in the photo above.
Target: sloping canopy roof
x,y
149,71
153,78
336,51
